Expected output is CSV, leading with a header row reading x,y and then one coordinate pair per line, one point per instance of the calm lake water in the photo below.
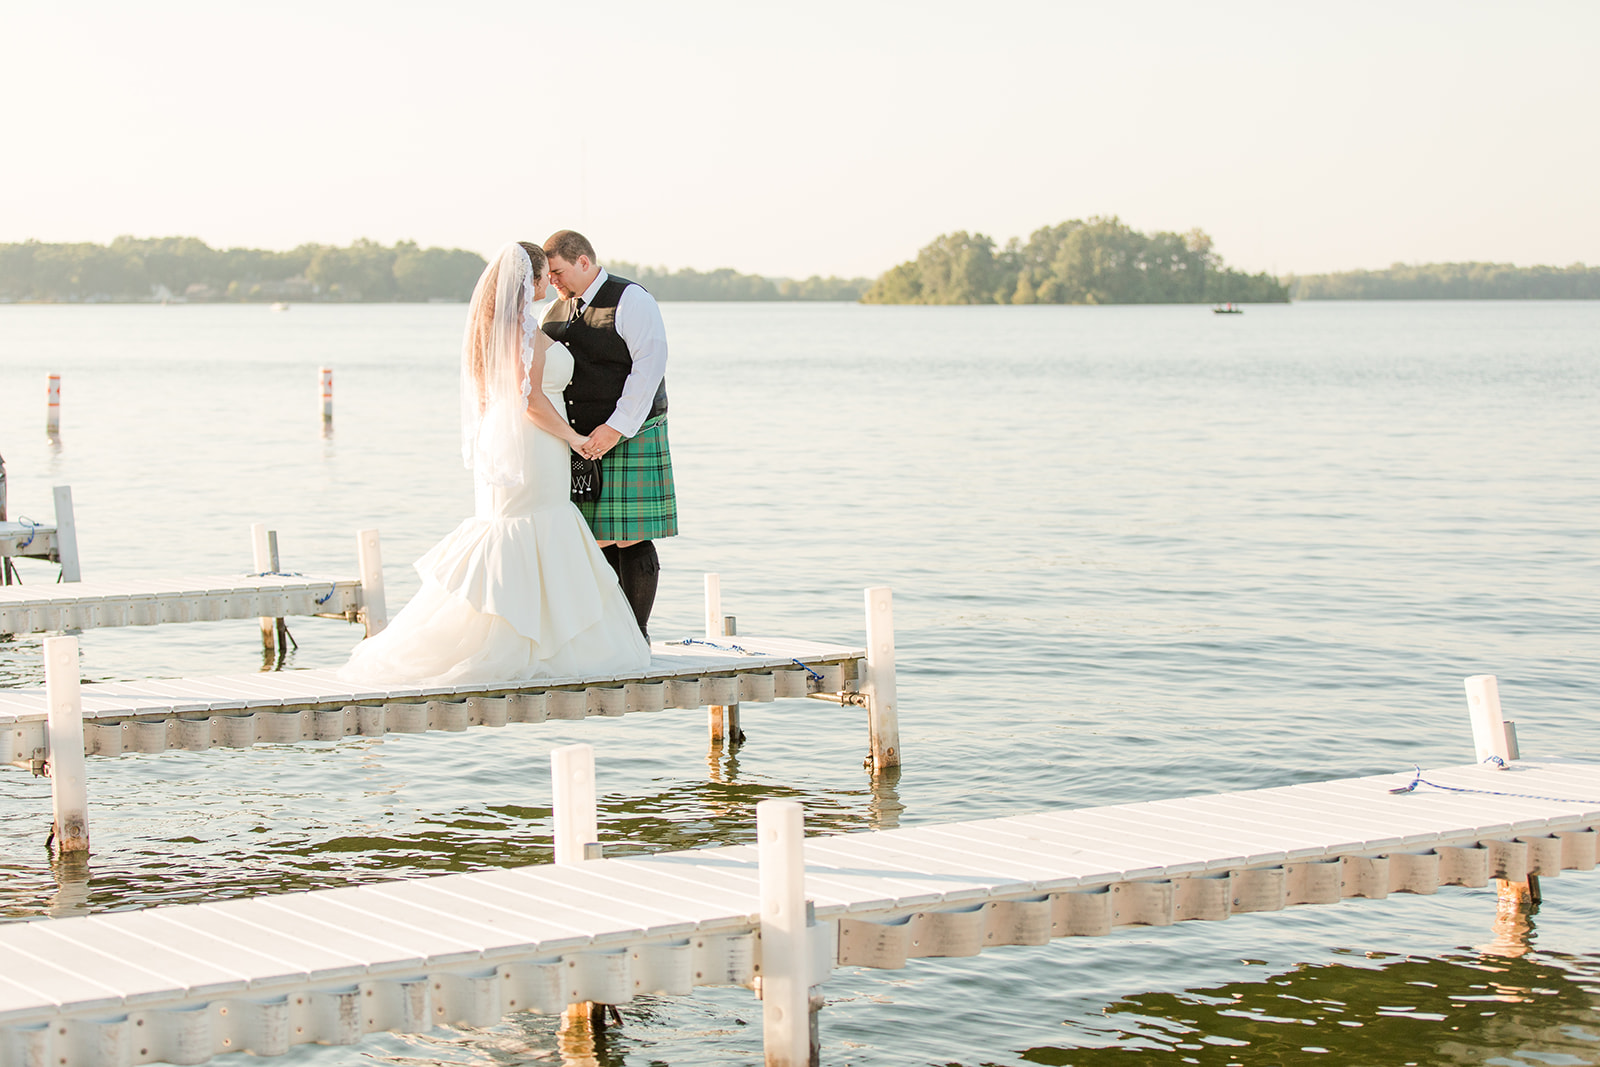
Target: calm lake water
x,y
1136,553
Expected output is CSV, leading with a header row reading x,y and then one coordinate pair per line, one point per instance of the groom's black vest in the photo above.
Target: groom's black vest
x,y
601,361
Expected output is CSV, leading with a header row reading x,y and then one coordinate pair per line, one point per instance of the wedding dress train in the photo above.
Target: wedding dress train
x,y
518,591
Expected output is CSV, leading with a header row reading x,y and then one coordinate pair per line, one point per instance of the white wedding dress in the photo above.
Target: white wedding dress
x,y
518,591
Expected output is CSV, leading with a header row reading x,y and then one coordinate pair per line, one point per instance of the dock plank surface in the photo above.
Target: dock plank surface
x,y
539,937
119,717
26,609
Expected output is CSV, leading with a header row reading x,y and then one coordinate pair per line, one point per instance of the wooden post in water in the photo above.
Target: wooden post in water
x,y
66,535
325,383
369,558
262,556
788,1026
883,714
52,417
64,732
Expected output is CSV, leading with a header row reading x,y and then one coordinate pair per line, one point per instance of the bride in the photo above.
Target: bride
x,y
520,590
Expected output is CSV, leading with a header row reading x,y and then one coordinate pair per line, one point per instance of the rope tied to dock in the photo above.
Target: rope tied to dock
x,y
741,651
33,528
321,600
1419,780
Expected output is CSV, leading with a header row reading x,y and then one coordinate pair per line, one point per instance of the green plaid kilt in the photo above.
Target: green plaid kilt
x,y
637,500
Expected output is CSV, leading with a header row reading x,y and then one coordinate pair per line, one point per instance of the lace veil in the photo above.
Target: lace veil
x,y
496,355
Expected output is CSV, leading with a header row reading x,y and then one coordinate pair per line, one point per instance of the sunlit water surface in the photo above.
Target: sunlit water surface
x,y
1136,553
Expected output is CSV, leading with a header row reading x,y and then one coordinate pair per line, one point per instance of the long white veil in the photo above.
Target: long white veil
x,y
496,354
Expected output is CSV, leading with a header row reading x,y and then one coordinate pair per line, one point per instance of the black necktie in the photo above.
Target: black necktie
x,y
577,310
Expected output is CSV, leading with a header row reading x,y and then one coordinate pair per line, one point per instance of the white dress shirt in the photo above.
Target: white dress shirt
x,y
639,323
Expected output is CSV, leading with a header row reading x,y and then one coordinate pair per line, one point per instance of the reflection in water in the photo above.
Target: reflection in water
x,y
244,846
883,811
71,872
1457,1009
1513,922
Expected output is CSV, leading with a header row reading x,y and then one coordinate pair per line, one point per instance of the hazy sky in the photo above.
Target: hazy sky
x,y
791,139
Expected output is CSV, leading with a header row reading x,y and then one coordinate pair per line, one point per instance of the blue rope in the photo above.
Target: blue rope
x,y
33,528
742,651
321,600
1419,780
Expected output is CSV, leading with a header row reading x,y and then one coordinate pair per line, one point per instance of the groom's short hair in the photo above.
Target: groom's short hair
x,y
569,245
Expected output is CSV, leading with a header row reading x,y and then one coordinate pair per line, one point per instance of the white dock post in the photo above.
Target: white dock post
x,y
713,606
572,802
1488,728
883,715
370,559
325,376
263,563
66,535
787,1026
68,786
52,418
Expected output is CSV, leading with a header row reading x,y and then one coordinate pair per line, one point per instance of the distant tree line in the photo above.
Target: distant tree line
x,y
186,268
726,283
1451,281
1094,261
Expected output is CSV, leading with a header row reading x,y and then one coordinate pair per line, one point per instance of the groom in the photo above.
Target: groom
x,y
618,397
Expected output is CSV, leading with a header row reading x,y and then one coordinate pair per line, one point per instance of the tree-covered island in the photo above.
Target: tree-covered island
x,y
1094,261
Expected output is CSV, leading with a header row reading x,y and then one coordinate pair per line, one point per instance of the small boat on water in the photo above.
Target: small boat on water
x,y
280,306
1227,309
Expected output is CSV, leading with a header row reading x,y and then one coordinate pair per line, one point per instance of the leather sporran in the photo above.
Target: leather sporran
x,y
585,480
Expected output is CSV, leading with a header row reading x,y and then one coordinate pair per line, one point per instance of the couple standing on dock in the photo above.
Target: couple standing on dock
x,y
564,426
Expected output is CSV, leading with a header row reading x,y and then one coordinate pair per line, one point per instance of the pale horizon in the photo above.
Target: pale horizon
x,y
828,139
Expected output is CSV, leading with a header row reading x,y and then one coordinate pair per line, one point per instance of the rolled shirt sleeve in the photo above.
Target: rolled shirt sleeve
x,y
639,323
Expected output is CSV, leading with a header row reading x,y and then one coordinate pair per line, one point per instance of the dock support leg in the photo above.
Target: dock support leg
x,y
576,829
716,721
66,535
262,557
883,716
787,1020
68,786
723,719
370,561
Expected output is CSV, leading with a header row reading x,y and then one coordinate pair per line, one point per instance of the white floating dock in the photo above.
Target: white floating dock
x,y
54,542
289,706
28,540
27,609
182,984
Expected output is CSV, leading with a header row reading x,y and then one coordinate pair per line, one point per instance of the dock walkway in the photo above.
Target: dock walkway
x,y
185,983
28,609
287,706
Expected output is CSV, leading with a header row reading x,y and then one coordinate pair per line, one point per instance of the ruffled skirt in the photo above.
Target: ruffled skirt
x,y
507,599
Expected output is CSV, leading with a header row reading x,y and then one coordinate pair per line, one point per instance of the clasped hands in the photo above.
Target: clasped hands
x,y
602,440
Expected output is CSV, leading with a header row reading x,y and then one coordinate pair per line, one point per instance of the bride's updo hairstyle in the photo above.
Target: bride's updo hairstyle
x,y
496,352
